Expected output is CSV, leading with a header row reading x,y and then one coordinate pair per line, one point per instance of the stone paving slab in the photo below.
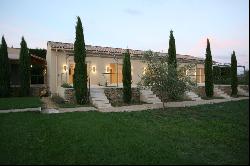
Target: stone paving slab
x,y
50,111
169,104
77,109
65,110
38,109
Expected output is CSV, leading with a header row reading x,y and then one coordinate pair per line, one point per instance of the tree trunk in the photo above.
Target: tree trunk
x,y
163,105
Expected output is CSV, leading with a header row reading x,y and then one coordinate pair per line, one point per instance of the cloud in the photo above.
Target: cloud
x,y
133,12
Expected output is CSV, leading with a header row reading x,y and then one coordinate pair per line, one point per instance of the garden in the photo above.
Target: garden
x,y
212,134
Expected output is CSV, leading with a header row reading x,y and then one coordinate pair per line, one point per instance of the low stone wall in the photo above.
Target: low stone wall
x,y
244,87
201,92
67,94
225,88
115,95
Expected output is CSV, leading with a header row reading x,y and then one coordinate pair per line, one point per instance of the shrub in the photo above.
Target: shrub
x,y
66,85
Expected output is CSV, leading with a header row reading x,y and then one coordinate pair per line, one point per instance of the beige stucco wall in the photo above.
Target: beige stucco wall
x,y
56,61
57,75
101,63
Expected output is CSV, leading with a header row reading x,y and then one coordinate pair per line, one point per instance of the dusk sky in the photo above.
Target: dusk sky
x,y
137,24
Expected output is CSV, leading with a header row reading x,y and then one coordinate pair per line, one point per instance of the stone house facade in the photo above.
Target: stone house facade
x,y
104,65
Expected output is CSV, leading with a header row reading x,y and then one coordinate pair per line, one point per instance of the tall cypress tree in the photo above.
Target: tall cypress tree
x,y
234,79
172,62
209,85
80,71
4,70
24,68
126,78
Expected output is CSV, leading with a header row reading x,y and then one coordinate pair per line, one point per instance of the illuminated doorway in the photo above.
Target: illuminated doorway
x,y
114,74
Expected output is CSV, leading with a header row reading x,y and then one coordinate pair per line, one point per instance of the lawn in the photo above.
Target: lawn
x,y
19,102
211,134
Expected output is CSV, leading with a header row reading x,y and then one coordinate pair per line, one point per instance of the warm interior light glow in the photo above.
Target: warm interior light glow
x,y
94,69
107,69
144,70
65,68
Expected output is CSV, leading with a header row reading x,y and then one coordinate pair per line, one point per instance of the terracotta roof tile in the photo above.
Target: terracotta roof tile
x,y
111,51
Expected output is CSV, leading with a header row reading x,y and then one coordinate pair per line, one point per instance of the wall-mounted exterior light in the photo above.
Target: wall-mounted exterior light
x,y
94,69
64,68
107,69
144,70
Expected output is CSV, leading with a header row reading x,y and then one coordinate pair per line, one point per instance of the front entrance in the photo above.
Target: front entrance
x,y
114,75
71,73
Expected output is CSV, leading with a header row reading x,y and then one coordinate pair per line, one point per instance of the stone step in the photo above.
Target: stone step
x,y
97,94
99,99
149,97
193,96
98,105
102,104
147,92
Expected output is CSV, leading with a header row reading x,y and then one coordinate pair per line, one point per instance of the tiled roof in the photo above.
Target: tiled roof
x,y
111,51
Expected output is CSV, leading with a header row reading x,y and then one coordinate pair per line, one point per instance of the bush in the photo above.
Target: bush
x,y
66,85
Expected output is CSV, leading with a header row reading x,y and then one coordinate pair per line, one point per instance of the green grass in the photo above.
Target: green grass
x,y
19,102
210,134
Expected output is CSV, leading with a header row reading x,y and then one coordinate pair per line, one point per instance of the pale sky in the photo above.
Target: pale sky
x,y
137,24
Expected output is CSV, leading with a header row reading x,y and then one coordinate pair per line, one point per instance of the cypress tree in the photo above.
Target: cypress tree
x,y
234,79
172,62
80,71
4,70
209,85
24,68
126,78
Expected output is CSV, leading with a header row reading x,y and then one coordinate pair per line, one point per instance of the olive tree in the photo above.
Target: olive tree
x,y
161,76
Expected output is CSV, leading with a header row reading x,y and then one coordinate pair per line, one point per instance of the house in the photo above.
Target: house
x,y
104,65
38,66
